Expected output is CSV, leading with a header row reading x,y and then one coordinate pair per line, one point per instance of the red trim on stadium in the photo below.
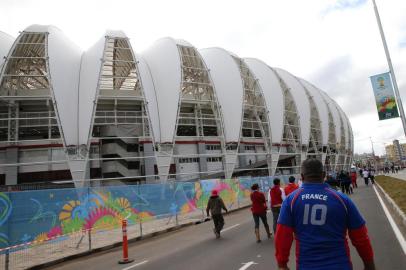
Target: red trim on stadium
x,y
35,146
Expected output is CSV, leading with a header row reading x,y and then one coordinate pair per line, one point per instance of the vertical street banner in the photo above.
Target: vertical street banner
x,y
384,96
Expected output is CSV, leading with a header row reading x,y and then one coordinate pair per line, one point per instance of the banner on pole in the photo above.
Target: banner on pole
x,y
384,96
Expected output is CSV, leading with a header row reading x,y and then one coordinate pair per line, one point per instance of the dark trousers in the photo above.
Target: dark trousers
x,y
262,217
275,214
218,221
366,180
346,187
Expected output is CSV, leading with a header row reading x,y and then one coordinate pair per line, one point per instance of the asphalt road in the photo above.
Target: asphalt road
x,y
196,248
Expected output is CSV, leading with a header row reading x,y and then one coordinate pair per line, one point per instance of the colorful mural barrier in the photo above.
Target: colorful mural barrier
x,y
42,215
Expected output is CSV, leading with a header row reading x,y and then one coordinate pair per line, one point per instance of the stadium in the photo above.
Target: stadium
x,y
171,112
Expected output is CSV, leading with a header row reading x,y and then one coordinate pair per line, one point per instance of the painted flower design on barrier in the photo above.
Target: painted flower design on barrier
x,y
55,214
97,211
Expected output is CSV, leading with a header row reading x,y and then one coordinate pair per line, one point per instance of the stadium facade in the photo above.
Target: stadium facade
x,y
172,112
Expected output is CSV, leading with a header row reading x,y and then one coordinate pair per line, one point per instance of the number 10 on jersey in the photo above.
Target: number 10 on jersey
x,y
318,213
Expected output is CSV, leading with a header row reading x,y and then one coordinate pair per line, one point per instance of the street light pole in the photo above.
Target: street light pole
x,y
373,155
395,84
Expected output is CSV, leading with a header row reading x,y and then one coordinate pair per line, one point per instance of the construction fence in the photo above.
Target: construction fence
x,y
39,226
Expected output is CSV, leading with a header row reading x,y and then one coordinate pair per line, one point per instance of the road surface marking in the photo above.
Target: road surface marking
x,y
395,228
246,265
231,227
134,265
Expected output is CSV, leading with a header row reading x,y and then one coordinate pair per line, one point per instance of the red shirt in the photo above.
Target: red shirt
x,y
258,203
276,196
354,177
290,188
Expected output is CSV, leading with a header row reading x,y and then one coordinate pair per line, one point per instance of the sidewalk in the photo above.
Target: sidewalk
x,y
400,175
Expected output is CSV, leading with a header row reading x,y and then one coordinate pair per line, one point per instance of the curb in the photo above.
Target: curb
x,y
392,203
119,244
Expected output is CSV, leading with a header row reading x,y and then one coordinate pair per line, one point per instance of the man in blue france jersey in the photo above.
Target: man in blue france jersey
x,y
320,218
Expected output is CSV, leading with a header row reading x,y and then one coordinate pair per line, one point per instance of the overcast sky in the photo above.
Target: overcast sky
x,y
333,44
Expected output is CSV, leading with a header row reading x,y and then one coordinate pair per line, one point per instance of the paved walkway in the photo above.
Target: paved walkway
x,y
400,175
195,247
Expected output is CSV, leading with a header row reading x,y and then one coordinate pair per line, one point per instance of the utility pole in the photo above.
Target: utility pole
x,y
395,84
373,155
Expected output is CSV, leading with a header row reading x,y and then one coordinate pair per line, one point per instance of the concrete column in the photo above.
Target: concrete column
x,y
11,171
242,158
201,149
12,152
149,162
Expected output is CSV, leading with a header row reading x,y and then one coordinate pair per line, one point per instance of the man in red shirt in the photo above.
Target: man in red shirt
x,y
291,186
258,210
276,197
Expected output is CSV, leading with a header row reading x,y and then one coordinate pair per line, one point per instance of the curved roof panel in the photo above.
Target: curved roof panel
x,y
6,41
150,95
89,76
321,107
163,60
335,113
301,100
229,89
345,123
273,94
64,65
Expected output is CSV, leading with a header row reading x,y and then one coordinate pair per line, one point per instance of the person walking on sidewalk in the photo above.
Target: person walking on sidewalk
x,y
354,179
292,186
372,176
365,174
320,218
214,205
276,197
258,210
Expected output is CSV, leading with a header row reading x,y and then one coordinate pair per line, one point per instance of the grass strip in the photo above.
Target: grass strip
x,y
395,188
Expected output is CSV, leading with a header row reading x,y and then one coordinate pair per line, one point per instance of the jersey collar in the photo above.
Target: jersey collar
x,y
315,185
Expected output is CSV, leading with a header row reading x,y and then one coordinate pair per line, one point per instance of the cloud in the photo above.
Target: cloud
x,y
343,4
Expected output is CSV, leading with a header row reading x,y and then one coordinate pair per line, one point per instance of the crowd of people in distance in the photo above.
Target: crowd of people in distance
x,y
314,212
392,168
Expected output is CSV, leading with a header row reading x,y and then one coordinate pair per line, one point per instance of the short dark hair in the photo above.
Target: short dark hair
x,y
312,168
292,179
276,181
254,186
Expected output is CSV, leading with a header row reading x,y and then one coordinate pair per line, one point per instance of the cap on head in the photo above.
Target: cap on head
x,y
214,192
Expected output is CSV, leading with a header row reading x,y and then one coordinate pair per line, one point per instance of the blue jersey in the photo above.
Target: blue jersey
x,y
320,218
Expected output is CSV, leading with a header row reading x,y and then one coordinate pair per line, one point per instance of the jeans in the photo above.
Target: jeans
x,y
275,214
